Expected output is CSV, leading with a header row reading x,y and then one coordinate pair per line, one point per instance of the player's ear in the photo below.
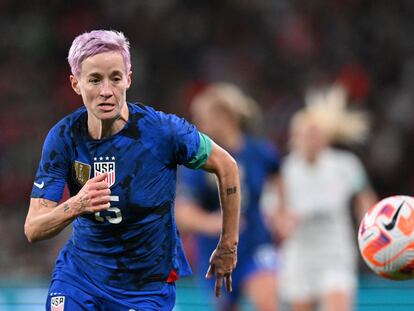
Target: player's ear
x,y
75,84
129,79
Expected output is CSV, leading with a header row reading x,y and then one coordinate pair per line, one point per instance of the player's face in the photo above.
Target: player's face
x,y
103,83
309,139
212,120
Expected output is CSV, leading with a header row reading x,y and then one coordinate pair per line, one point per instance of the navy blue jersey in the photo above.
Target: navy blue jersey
x,y
136,241
257,160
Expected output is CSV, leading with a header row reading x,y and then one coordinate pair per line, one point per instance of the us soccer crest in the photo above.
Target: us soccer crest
x,y
105,165
57,303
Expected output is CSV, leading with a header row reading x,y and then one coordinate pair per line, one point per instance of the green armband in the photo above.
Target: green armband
x,y
203,152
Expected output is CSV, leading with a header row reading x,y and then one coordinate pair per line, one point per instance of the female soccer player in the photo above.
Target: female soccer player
x,y
224,112
319,262
119,161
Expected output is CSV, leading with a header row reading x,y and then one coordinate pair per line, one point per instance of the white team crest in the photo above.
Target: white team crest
x,y
57,303
103,165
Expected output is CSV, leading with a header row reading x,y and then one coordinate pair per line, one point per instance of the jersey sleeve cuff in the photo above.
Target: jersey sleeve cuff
x,y
203,152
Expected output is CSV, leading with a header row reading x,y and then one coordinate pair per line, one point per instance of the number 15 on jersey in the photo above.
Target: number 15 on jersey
x,y
114,217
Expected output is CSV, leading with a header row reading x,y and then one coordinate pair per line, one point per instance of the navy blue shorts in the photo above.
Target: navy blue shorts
x,y
64,296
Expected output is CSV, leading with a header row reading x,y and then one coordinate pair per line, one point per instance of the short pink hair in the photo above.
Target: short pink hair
x,y
95,42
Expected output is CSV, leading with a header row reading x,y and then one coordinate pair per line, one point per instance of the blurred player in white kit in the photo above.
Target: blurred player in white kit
x,y
319,256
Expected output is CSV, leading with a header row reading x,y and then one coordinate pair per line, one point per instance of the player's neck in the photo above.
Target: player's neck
x,y
312,156
99,129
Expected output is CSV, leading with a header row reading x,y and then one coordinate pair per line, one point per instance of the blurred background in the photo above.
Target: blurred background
x,y
273,49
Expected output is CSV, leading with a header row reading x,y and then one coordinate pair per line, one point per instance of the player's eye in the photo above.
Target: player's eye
x,y
116,79
94,80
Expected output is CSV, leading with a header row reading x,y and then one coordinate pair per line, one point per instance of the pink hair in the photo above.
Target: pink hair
x,y
95,42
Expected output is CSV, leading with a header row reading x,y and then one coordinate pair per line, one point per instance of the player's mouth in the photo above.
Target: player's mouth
x,y
106,107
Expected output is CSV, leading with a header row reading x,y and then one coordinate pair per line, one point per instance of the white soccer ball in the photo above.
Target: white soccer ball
x,y
386,237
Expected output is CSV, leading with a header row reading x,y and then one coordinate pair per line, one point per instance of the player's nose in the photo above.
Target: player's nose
x,y
106,89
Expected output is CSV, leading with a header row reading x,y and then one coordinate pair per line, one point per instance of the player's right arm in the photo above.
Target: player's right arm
x,y
45,218
284,220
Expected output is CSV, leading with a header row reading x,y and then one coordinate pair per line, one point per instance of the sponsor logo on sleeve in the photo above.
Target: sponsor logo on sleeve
x,y
39,185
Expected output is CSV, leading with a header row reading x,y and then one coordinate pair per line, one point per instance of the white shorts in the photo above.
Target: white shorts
x,y
304,279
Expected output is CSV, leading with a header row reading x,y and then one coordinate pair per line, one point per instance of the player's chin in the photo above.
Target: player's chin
x,y
107,114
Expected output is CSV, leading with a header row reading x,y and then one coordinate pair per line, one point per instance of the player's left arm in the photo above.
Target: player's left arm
x,y
182,145
364,199
365,195
224,258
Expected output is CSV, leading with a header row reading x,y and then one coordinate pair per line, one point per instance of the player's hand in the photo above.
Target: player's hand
x,y
286,224
93,197
223,260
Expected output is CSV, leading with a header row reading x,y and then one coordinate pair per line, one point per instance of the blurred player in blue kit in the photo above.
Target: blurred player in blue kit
x,y
119,161
225,114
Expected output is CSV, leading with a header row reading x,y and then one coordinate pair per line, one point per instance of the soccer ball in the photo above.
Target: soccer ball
x,y
386,238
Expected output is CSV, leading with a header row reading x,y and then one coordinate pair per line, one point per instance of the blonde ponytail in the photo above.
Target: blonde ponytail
x,y
327,108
